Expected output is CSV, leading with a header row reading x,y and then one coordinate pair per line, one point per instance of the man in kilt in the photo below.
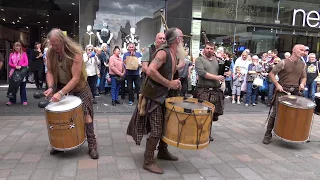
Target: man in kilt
x,y
149,118
209,82
67,75
292,78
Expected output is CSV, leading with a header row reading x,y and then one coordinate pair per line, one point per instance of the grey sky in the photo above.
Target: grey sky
x,y
117,12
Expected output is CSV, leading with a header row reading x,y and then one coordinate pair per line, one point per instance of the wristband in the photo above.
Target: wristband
x,y
61,93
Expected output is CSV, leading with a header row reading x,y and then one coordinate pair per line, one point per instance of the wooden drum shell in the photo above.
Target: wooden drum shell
x,y
197,120
66,130
293,124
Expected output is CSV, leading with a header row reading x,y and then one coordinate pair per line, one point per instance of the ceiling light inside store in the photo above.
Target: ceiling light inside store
x,y
75,21
19,17
27,27
4,19
69,14
47,21
73,4
41,27
13,23
2,9
47,14
18,20
38,22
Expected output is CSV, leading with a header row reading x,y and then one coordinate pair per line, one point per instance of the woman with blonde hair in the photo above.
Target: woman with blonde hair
x,y
67,75
18,62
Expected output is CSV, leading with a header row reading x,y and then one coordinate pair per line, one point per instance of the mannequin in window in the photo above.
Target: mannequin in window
x,y
89,38
105,36
132,38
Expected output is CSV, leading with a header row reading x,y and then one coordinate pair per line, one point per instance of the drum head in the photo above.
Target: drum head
x,y
191,105
296,102
68,103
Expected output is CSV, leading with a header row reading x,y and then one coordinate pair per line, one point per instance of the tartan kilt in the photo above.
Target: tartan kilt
x,y
151,123
87,100
214,96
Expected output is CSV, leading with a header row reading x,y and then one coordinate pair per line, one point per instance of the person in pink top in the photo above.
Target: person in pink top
x,y
117,72
18,62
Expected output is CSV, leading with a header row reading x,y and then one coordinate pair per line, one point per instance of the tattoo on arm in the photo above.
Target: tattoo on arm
x,y
157,61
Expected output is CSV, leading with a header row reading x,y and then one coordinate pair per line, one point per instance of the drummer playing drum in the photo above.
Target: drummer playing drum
x,y
292,79
66,74
155,90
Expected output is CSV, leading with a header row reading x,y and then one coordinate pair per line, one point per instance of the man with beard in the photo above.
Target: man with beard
x,y
292,78
160,78
208,86
148,54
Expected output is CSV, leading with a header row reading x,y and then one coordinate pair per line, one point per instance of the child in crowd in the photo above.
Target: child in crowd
x,y
237,82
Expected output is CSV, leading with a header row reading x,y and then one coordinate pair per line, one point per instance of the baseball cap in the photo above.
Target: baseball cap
x,y
307,48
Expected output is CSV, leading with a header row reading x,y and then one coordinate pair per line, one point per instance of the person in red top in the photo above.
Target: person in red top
x,y
18,62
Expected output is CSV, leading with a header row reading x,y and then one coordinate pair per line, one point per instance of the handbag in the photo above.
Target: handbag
x,y
119,79
132,63
258,82
318,77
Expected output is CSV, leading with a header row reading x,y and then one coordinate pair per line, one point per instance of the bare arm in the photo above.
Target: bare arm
x,y
76,71
156,63
304,76
49,76
275,70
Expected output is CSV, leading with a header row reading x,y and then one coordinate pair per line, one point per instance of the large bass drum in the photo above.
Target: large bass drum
x,y
187,123
65,123
294,118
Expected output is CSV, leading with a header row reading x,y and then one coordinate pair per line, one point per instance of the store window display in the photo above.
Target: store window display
x,y
89,38
105,35
132,38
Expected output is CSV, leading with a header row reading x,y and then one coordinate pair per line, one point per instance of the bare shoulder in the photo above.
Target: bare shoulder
x,y
161,54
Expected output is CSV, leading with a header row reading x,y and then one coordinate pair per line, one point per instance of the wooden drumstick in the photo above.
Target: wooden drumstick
x,y
288,93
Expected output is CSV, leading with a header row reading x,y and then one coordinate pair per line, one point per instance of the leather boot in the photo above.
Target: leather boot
x,y
163,152
149,163
92,142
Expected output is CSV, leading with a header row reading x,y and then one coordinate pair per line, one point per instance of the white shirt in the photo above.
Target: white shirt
x,y
91,64
243,64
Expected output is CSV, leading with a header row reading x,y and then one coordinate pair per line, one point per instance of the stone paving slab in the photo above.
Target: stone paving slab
x,y
236,153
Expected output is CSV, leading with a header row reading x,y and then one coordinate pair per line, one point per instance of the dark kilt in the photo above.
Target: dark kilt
x,y
214,96
151,123
87,100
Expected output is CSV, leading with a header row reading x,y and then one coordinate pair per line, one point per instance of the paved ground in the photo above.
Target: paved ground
x,y
103,107
236,153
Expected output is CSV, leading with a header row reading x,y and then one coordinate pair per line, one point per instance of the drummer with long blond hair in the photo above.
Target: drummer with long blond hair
x,y
67,75
292,79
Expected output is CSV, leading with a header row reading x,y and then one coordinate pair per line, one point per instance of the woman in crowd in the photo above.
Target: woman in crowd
x,y
91,62
254,70
117,72
18,61
37,66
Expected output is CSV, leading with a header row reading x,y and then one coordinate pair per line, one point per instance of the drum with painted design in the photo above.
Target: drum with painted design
x,y
65,123
294,118
187,123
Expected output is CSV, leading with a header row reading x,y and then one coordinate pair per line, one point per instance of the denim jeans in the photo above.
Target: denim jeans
x,y
23,94
102,81
311,89
136,80
115,88
251,93
271,91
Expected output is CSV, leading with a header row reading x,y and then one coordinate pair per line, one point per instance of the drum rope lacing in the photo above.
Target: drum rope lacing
x,y
183,122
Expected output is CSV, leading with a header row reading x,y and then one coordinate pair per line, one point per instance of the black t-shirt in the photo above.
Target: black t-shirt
x,y
312,71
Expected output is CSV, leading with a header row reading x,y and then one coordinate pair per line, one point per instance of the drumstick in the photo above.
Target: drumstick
x,y
288,93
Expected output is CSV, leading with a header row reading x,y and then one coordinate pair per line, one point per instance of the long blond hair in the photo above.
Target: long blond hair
x,y
17,44
69,49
